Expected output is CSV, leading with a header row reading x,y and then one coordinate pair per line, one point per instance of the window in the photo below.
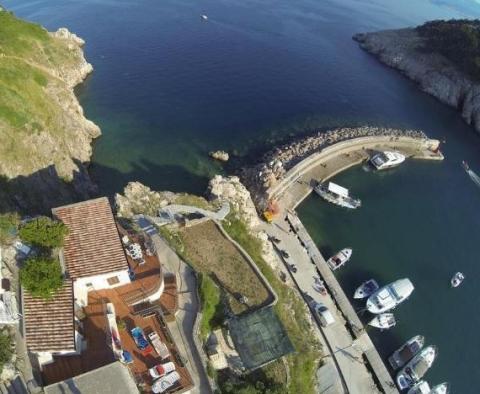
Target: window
x,y
113,280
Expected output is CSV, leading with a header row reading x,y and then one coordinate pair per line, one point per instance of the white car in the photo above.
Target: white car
x,y
160,370
163,384
324,315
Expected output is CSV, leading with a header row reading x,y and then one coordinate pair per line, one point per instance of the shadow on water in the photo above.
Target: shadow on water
x,y
44,189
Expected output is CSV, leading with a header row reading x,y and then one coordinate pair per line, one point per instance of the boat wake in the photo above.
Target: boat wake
x,y
474,177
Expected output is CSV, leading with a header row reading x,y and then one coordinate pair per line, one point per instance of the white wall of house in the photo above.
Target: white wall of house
x,y
82,286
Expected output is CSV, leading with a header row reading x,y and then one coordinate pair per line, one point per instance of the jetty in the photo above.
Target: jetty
x,y
348,340
377,366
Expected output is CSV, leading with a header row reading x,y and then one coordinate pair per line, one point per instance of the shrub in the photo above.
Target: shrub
x,y
8,226
43,231
41,276
5,349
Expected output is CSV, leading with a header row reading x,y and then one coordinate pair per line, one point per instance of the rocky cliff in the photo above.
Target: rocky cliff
x,y
405,51
45,140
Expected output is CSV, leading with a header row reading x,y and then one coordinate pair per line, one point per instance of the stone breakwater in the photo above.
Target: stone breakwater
x,y
264,175
404,50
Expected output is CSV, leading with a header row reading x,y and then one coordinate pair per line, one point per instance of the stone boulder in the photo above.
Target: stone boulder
x,y
219,155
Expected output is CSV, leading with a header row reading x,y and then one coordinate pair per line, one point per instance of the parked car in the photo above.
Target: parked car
x,y
160,370
163,384
141,341
324,315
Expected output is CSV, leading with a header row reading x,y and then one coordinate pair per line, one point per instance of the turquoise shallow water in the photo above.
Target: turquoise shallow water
x,y
168,88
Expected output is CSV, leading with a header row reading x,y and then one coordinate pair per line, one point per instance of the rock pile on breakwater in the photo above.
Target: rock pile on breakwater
x,y
275,163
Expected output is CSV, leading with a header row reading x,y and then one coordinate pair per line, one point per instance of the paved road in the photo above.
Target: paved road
x,y
343,350
188,306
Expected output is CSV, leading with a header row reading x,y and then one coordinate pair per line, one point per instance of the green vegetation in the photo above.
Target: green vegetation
x,y
8,226
457,40
292,313
41,276
43,232
209,251
6,350
29,93
212,306
196,201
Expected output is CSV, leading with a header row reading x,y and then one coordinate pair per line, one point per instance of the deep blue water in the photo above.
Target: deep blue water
x,y
168,88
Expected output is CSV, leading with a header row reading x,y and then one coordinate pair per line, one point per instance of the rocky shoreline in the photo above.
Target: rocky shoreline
x,y
275,163
404,50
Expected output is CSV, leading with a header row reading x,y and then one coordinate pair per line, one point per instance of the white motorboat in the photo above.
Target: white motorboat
x,y
204,17
387,159
457,279
383,321
406,352
337,195
366,289
416,368
389,296
339,259
421,387
442,388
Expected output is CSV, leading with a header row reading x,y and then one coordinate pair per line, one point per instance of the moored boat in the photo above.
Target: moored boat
x,y
337,195
366,289
442,388
406,352
383,321
457,279
421,387
416,368
339,259
386,159
389,296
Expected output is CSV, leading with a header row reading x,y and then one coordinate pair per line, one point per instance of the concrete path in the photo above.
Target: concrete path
x,y
342,349
188,306
174,209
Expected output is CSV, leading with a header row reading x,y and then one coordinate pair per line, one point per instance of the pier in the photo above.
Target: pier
x,y
378,368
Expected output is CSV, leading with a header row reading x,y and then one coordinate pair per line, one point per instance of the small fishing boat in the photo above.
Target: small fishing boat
x,y
337,195
442,388
387,159
366,289
204,17
390,296
465,165
416,368
319,287
339,259
457,279
383,321
421,387
406,352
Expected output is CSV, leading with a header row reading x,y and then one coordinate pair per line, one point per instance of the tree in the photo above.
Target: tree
x,y
8,226
43,231
5,349
41,276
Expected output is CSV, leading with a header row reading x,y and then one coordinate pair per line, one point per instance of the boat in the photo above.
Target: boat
x,y
442,388
386,159
319,286
204,17
389,296
337,195
416,368
366,289
339,259
421,387
457,279
383,321
406,352
465,166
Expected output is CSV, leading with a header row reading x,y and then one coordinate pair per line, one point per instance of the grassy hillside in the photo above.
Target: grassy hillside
x,y
34,126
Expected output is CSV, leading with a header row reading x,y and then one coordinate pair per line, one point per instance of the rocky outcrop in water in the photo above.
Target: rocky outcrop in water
x,y
219,155
274,164
404,50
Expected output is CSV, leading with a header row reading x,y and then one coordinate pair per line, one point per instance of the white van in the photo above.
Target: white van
x,y
324,315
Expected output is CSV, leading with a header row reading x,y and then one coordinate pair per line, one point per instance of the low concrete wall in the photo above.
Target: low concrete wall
x,y
417,148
